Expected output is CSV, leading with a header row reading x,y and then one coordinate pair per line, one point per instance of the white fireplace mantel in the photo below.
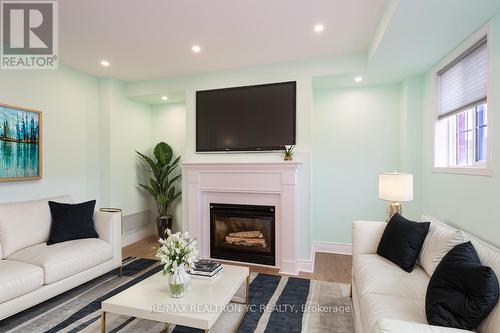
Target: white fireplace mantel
x,y
255,183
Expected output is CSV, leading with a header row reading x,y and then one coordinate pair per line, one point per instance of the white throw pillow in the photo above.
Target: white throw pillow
x,y
439,241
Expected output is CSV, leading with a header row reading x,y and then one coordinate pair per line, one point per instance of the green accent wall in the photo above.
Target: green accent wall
x,y
69,101
355,137
90,131
346,136
467,201
127,128
300,71
169,125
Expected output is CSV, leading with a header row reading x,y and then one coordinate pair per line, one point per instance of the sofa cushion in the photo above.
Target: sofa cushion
x,y
375,275
71,221
18,278
439,241
489,256
398,326
23,224
461,292
374,306
65,259
402,241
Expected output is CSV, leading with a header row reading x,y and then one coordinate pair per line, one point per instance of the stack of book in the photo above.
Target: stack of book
x,y
206,270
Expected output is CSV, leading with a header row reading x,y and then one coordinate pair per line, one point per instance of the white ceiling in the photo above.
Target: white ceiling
x,y
153,38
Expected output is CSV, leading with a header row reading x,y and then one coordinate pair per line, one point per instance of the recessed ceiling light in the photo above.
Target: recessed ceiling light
x,y
164,98
196,48
358,79
319,28
104,63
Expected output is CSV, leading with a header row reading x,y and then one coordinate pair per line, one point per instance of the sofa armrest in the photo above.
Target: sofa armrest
x,y
109,228
398,326
366,236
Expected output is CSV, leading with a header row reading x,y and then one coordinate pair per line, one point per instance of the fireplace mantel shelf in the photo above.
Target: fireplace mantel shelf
x,y
277,164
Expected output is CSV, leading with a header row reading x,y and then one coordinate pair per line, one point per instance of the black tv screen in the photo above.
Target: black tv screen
x,y
252,118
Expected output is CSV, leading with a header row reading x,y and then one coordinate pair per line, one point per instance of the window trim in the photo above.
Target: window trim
x,y
480,169
465,170
477,129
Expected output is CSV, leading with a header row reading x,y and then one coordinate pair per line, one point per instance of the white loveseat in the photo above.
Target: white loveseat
x,y
32,272
388,299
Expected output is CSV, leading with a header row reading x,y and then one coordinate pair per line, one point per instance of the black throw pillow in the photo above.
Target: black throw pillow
x,y
402,241
461,292
71,221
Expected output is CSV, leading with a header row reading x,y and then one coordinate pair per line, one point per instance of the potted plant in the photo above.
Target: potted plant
x,y
288,153
161,185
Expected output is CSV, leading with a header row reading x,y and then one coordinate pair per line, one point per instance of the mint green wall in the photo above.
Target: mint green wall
x,y
126,127
339,175
130,124
345,138
90,131
410,147
467,201
355,137
169,125
69,101
302,72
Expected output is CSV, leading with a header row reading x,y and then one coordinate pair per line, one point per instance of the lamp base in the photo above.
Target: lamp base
x,y
393,208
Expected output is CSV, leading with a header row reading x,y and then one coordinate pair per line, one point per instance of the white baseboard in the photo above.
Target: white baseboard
x,y
327,247
135,235
303,265
307,265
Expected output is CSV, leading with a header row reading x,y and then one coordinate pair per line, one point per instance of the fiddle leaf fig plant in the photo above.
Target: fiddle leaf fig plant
x,y
161,186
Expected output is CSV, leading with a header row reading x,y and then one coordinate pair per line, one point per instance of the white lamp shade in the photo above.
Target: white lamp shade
x,y
395,187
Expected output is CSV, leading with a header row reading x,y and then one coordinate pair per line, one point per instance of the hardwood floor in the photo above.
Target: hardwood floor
x,y
145,248
327,267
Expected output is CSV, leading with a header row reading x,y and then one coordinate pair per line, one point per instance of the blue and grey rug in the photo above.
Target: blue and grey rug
x,y
278,303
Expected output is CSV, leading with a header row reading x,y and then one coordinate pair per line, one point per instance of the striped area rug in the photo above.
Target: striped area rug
x,y
278,304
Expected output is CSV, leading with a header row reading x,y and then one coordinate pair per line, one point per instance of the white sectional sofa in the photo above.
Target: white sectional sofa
x,y
388,299
32,272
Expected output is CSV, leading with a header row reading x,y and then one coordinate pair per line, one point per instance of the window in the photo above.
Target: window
x,y
468,130
461,140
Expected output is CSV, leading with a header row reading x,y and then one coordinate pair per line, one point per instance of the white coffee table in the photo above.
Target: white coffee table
x,y
150,299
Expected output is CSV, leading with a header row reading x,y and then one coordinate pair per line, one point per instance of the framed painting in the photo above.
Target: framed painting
x,y
20,143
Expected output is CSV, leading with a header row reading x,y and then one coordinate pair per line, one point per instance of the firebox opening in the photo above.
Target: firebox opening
x,y
242,233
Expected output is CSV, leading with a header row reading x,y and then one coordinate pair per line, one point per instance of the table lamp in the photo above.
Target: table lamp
x,y
395,187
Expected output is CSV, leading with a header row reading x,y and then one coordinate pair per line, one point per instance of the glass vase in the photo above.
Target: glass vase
x,y
178,282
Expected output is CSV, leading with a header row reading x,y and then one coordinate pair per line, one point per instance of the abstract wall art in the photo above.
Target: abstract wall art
x,y
20,143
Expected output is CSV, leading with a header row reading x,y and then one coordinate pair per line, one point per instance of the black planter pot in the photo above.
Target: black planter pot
x,y
163,223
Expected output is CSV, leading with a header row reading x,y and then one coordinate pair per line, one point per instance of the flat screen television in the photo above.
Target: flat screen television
x,y
251,118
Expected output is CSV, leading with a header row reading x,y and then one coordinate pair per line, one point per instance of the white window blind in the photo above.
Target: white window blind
x,y
463,83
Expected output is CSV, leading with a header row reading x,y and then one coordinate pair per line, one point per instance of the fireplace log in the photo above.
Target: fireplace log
x,y
247,234
256,242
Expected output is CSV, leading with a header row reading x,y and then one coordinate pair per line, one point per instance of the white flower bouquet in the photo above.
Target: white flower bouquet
x,y
178,254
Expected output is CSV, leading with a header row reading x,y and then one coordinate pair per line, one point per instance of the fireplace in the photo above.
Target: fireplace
x,y
243,233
